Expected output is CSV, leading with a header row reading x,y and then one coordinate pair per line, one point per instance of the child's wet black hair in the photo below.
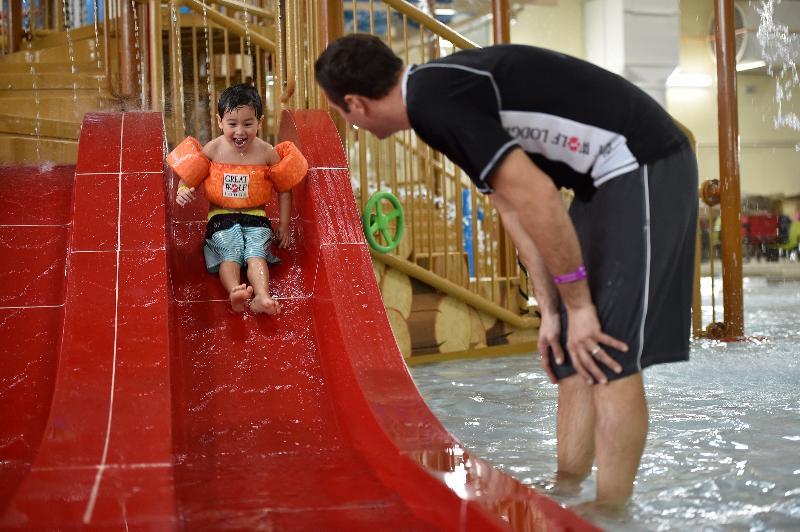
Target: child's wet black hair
x,y
237,96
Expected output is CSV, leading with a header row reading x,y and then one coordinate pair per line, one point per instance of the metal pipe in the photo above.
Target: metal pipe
x,y
730,200
501,22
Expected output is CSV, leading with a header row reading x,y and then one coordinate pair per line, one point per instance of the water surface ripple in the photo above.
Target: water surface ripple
x,y
723,451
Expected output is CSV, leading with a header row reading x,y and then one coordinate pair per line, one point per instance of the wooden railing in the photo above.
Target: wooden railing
x,y
214,45
176,56
452,230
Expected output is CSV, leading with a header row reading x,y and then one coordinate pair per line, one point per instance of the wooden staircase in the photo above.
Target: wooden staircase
x,y
45,90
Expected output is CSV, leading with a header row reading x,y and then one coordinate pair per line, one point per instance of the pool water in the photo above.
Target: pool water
x,y
723,452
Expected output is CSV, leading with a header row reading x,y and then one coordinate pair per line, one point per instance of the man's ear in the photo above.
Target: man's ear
x,y
356,103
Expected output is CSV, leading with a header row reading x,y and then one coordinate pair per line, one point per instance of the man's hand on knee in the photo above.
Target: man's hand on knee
x,y
584,339
550,341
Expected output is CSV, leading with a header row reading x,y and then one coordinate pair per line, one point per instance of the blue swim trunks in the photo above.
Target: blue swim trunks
x,y
237,237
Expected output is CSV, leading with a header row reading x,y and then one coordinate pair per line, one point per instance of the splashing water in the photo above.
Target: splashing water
x,y
71,50
722,451
179,55
781,49
139,70
208,59
97,54
246,29
28,30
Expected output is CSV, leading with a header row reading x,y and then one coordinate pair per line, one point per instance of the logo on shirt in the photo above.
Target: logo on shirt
x,y
587,149
606,149
572,143
235,185
545,136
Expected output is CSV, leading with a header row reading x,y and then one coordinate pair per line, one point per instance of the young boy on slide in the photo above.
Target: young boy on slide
x,y
238,171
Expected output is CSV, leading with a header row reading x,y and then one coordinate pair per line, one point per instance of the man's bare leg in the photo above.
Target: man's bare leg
x,y
258,274
575,430
237,292
620,435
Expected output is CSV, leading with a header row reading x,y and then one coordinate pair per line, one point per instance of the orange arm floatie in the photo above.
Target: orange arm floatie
x,y
189,162
291,169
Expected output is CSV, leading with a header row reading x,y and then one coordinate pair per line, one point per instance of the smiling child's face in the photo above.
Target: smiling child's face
x,y
240,126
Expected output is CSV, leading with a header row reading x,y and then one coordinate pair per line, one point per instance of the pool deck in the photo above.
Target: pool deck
x,y
773,271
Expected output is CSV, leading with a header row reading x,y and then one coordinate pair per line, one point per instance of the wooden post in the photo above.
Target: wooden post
x,y
128,83
14,25
730,195
331,24
501,31
501,22
331,21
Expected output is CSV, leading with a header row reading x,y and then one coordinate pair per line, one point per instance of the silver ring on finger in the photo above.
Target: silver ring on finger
x,y
595,351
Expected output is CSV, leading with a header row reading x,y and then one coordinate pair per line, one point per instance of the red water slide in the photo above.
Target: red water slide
x,y
133,397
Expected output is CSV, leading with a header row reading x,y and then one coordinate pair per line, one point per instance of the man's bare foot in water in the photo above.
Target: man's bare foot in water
x,y
617,512
239,295
560,485
263,304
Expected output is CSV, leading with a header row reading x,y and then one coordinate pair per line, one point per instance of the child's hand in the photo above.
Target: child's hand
x,y
282,235
185,195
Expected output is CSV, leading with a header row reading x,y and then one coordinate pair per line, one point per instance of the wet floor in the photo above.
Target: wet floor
x,y
723,451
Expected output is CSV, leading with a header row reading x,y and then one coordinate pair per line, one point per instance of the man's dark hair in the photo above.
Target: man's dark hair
x,y
357,64
237,96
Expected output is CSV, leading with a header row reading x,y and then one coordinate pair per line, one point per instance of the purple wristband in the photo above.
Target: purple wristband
x,y
577,275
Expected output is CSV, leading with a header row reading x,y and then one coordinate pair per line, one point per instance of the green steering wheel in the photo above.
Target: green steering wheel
x,y
378,222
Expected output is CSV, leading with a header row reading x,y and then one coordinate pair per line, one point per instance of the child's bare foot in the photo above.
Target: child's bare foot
x,y
262,303
239,295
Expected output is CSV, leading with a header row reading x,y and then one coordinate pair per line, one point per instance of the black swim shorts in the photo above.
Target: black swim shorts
x,y
637,235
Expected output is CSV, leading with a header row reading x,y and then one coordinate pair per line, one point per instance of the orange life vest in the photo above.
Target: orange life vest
x,y
188,161
238,186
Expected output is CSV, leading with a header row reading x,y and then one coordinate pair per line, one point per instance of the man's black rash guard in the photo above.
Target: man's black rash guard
x,y
581,124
